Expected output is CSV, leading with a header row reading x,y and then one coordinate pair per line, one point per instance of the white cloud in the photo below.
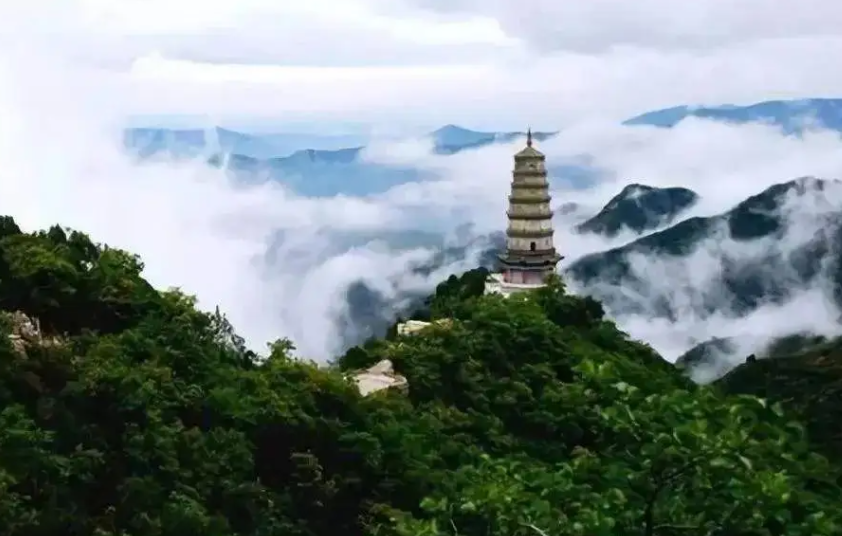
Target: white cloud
x,y
316,32
503,93
601,24
386,62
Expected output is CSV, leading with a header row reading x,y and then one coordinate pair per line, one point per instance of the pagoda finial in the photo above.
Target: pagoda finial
x,y
529,137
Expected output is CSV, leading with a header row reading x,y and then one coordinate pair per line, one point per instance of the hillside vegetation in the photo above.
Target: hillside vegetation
x,y
807,380
133,413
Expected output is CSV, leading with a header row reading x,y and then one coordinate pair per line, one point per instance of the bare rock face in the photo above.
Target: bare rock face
x,y
412,327
379,377
26,331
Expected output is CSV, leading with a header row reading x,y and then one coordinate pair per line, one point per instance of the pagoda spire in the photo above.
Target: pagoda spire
x,y
529,137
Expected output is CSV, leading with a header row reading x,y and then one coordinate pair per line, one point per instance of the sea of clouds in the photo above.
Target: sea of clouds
x,y
723,163
279,265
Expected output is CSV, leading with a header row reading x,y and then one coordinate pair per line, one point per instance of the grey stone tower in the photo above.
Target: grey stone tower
x,y
530,254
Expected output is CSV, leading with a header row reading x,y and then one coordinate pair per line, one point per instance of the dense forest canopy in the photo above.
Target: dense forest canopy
x,y
124,410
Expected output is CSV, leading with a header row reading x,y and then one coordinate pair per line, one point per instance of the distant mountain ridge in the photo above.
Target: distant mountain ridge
x,y
310,172
151,141
316,173
327,165
792,116
147,142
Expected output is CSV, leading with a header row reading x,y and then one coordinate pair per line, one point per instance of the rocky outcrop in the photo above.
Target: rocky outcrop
x,y
26,332
379,377
411,327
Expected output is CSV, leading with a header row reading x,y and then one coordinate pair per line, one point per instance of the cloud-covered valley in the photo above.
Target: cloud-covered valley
x,y
280,263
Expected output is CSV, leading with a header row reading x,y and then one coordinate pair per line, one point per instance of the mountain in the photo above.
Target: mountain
x,y
639,208
321,173
711,359
126,410
707,354
451,139
315,172
147,142
792,116
807,380
762,257
181,143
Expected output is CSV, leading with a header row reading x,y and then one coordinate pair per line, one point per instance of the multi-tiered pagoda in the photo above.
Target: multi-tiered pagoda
x,y
530,255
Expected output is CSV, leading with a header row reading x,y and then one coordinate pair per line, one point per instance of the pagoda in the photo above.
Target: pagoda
x,y
530,255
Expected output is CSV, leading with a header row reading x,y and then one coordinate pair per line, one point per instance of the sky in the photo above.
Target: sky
x,y
486,64
73,71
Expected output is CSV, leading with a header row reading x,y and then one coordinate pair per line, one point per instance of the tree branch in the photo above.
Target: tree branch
x,y
536,529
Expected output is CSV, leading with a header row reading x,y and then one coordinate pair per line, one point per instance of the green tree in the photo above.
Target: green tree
x,y
138,414
680,462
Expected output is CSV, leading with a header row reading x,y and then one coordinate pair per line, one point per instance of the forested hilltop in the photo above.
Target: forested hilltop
x,y
129,412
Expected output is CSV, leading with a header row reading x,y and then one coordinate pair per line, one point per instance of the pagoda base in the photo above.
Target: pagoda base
x,y
496,284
